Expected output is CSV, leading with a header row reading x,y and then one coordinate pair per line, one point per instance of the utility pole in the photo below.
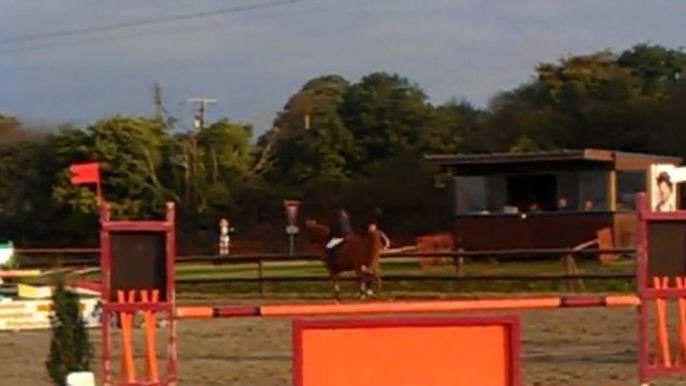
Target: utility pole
x,y
199,121
157,99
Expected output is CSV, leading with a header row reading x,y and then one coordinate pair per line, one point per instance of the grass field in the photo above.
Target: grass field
x,y
402,278
198,279
394,267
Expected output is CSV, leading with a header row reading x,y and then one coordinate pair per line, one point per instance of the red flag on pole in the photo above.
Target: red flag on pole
x,y
87,173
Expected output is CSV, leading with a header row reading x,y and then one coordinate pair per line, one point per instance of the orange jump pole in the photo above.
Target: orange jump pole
x,y
210,312
128,366
281,310
287,310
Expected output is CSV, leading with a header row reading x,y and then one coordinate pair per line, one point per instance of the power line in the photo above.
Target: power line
x,y
97,39
142,23
20,48
67,42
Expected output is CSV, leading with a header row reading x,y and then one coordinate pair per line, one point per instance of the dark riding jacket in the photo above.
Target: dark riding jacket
x,y
342,227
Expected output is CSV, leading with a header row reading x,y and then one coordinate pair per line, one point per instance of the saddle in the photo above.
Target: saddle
x,y
332,254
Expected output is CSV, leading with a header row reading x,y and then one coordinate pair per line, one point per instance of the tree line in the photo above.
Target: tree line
x,y
360,143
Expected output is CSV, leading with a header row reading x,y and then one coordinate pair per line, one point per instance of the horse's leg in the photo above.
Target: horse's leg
x,y
336,287
363,287
366,279
368,286
377,276
362,282
370,277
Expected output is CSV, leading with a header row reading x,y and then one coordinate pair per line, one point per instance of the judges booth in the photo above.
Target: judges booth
x,y
559,199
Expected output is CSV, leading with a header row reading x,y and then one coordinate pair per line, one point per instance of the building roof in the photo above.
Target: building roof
x,y
589,155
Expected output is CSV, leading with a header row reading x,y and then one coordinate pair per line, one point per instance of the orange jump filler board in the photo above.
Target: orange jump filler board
x,y
441,351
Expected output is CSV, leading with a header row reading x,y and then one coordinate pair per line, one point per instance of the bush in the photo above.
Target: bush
x,y
70,347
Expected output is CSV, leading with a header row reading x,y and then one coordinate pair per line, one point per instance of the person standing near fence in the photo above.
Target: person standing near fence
x,y
6,256
225,231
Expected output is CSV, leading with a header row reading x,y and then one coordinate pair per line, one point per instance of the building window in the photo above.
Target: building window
x,y
544,192
479,194
470,194
532,192
628,184
594,190
568,192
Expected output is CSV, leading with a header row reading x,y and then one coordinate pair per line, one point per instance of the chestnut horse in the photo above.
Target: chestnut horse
x,y
359,254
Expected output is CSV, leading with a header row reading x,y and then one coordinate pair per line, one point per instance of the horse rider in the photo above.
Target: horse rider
x,y
373,226
340,230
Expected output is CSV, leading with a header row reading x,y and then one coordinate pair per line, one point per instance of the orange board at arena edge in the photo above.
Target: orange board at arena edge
x,y
441,351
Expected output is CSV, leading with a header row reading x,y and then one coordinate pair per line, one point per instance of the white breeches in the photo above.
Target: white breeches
x,y
333,242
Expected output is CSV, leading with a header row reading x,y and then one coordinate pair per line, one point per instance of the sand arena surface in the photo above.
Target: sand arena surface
x,y
575,347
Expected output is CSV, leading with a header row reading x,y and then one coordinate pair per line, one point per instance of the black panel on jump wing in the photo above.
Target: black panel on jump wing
x,y
666,250
138,262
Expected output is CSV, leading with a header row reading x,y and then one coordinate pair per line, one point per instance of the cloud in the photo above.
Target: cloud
x,y
252,61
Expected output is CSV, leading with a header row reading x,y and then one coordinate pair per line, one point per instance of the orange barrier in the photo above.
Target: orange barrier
x,y
338,352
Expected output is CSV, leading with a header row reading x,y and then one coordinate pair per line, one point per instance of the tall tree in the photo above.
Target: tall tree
x,y
311,141
601,100
130,151
388,116
658,67
208,163
455,128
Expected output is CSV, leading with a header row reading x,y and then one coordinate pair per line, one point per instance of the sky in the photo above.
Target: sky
x,y
252,60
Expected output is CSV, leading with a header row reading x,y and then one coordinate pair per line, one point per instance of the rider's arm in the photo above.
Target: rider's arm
x,y
345,223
